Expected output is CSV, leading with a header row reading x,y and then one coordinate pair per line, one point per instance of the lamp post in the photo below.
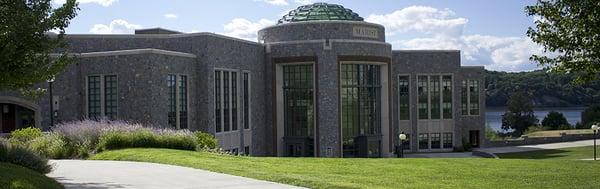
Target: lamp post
x,y
402,137
595,129
50,81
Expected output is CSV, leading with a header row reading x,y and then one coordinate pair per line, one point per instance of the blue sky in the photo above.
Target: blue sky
x,y
489,33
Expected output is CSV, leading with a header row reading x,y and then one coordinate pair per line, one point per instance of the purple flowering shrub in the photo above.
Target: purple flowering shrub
x,y
78,139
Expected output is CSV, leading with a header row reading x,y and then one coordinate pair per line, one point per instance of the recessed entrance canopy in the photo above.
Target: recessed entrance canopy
x,y
16,113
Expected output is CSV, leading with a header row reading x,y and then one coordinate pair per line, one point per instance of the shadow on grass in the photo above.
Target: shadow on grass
x,y
69,184
538,154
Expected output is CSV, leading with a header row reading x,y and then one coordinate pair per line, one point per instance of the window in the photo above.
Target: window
x,y
94,101
218,126
470,97
435,140
226,97
423,97
110,96
474,97
464,97
360,106
183,109
246,91
298,100
172,114
447,140
178,109
423,141
447,96
102,97
298,109
404,94
234,97
227,103
434,83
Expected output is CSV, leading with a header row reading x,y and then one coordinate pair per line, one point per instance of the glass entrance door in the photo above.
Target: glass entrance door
x,y
361,115
474,138
298,110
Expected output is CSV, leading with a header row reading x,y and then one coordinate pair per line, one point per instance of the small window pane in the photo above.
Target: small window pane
x,y
172,87
218,126
110,96
447,96
246,91
447,140
434,83
423,104
183,109
435,141
403,92
94,109
423,141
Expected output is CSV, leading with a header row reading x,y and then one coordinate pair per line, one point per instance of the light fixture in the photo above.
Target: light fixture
x,y
402,136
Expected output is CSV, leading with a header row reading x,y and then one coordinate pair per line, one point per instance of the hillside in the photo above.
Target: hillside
x,y
547,89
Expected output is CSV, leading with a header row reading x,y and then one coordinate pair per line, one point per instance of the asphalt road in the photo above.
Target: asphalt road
x,y
91,174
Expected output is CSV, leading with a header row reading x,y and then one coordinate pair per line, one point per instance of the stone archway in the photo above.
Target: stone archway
x,y
11,104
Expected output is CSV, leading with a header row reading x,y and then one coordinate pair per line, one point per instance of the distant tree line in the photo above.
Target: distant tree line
x,y
545,89
520,119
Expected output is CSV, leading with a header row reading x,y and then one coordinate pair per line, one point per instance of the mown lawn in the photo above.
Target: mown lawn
x,y
17,177
577,153
381,173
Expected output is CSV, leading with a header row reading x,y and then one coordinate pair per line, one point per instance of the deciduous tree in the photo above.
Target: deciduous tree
x,y
519,115
25,44
569,30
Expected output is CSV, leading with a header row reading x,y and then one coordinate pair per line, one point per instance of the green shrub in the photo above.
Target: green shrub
x,y
205,140
146,139
24,136
466,145
22,156
177,141
54,146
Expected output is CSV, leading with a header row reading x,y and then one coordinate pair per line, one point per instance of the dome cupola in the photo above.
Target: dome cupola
x,y
319,12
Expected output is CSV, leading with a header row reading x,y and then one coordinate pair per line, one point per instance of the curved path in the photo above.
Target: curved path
x,y
91,174
536,147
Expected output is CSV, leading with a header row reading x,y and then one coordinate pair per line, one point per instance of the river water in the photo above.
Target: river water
x,y
493,115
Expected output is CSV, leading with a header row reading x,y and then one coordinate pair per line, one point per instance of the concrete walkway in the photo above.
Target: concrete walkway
x,y
89,174
527,148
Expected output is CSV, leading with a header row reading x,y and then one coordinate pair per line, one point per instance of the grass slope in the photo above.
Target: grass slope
x,y
17,177
381,173
586,152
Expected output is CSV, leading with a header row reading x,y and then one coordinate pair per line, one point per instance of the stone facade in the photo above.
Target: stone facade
x,y
142,62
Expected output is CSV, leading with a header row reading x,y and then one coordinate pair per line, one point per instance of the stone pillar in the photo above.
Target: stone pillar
x,y
328,104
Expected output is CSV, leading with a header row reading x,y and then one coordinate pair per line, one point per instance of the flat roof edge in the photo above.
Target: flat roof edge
x,y
159,36
473,67
130,52
427,50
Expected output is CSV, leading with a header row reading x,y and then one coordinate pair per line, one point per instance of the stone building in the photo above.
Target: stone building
x,y
322,82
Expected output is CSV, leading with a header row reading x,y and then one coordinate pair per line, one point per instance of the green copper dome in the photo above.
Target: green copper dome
x,y
319,11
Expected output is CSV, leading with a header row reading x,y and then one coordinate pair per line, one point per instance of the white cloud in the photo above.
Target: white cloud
x,y
105,3
441,29
170,15
245,29
422,19
303,2
117,26
275,2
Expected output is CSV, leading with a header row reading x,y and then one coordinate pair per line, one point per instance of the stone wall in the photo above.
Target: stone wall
x,y
539,140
